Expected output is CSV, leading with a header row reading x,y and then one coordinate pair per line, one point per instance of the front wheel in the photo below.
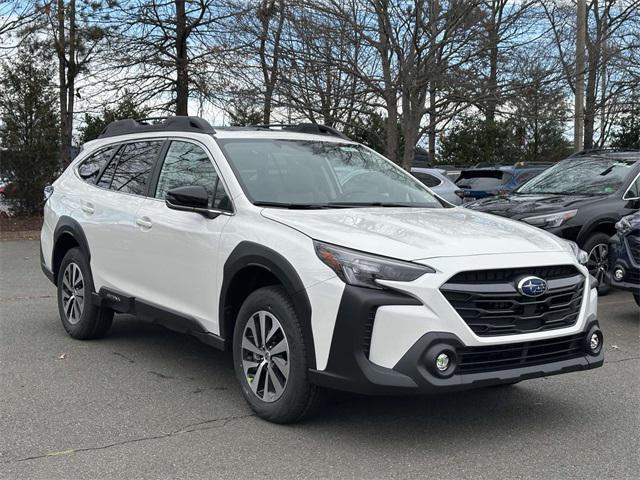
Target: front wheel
x,y
80,317
270,358
597,247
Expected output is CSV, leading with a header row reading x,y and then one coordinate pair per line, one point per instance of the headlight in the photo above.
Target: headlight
x,y
363,270
623,226
580,254
550,220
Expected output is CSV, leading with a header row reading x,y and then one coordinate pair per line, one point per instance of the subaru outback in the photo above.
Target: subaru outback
x,y
319,263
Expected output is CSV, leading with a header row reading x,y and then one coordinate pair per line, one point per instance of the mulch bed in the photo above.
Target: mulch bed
x,y
20,227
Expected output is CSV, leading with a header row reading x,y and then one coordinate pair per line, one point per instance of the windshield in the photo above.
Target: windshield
x,y
584,176
316,174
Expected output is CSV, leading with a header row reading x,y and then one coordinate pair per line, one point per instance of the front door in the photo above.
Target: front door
x,y
183,245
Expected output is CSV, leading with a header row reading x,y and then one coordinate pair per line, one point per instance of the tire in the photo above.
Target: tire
x,y
283,360
636,296
596,246
80,317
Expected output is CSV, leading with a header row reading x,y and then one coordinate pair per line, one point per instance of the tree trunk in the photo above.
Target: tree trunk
x,y
391,128
182,61
494,40
64,153
389,89
410,131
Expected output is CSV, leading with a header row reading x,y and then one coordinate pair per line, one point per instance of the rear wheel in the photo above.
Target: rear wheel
x,y
597,247
80,317
637,298
270,358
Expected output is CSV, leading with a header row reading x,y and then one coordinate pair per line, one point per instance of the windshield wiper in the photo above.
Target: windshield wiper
x,y
380,204
295,206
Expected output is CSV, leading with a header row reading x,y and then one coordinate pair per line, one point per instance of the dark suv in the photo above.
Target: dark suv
x,y
624,256
580,199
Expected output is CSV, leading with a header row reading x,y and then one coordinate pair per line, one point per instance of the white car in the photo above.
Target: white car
x,y
248,239
439,183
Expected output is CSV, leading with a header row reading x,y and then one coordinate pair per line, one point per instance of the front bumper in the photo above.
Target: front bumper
x,y
350,369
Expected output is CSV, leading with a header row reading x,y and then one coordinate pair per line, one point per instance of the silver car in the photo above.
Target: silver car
x,y
438,181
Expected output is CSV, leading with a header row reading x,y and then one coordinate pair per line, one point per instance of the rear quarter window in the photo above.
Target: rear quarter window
x,y
90,168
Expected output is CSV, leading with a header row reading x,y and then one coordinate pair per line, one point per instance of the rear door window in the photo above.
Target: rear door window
x,y
90,169
133,167
428,180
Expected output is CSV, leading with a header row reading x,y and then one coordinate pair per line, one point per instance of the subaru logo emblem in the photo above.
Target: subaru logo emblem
x,y
532,286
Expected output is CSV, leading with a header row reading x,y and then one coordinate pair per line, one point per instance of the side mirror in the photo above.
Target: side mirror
x,y
192,198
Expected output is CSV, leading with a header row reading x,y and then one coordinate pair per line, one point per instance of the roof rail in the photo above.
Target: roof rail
x,y
157,124
312,128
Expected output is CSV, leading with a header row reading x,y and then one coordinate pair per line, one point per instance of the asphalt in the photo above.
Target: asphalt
x,y
148,403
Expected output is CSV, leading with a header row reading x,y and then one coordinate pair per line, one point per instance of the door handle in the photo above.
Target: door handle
x,y
144,223
88,208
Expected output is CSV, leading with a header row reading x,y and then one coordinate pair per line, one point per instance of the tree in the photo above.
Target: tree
x,y
471,141
612,71
29,135
170,50
539,111
243,116
94,124
370,129
627,133
76,31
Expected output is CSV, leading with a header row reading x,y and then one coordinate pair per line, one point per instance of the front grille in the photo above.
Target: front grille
x,y
633,245
489,302
517,355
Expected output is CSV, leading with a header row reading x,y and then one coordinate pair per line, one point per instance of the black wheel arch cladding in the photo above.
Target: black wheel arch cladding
x,y
250,255
67,226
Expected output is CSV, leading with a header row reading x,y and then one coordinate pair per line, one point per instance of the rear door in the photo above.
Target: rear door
x,y
184,245
110,213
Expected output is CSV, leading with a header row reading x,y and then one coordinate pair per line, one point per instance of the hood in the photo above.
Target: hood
x,y
416,234
527,205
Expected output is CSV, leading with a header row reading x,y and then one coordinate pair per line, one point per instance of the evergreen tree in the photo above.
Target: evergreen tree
x,y
30,122
474,141
94,124
627,134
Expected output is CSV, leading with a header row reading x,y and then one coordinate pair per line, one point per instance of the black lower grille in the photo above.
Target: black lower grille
x,y
517,355
368,332
490,303
633,245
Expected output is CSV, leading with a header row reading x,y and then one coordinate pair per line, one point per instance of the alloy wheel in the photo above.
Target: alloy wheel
x,y
73,293
598,262
265,356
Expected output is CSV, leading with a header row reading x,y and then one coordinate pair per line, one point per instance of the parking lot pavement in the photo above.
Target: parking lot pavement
x,y
148,403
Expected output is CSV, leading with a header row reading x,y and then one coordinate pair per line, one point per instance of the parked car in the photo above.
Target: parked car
x,y
624,255
580,199
438,181
485,182
247,239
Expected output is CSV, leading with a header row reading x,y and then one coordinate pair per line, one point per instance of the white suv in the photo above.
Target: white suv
x,y
318,262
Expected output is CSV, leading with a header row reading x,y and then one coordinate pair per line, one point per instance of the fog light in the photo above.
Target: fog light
x,y
594,341
618,273
442,362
